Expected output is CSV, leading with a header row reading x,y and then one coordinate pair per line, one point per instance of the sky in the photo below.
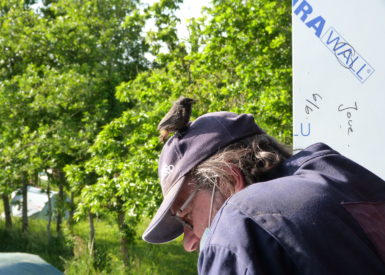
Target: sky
x,y
188,9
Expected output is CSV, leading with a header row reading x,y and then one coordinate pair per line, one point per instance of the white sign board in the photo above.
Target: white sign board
x,y
339,78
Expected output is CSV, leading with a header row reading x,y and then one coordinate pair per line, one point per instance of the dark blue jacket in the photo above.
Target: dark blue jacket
x,y
313,215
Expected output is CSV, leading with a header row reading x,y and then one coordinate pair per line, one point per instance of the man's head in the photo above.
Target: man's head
x,y
222,149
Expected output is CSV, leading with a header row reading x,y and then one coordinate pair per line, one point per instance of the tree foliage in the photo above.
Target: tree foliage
x,y
237,58
77,93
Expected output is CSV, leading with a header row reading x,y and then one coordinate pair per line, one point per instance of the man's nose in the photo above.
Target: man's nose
x,y
190,240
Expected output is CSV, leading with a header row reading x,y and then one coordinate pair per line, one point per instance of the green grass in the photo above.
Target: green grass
x,y
54,251
169,258
163,259
69,251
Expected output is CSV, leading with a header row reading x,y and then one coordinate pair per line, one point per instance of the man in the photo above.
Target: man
x,y
252,208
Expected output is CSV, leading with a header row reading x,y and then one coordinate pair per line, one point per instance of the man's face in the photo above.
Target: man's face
x,y
197,210
196,213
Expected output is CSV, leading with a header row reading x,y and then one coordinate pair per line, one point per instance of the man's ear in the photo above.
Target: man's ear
x,y
239,179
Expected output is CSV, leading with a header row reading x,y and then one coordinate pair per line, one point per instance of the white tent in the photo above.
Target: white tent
x,y
37,203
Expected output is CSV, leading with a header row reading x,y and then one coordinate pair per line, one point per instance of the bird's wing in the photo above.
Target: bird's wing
x,y
168,120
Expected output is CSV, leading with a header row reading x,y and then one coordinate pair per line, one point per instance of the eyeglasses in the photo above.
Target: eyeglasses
x,y
183,208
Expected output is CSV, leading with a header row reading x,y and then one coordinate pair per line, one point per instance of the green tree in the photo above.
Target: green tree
x,y
58,69
237,58
77,94
245,61
125,151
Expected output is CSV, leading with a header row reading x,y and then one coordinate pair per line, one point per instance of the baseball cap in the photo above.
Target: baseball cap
x,y
203,137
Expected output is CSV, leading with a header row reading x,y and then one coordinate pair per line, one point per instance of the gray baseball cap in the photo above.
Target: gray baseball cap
x,y
204,137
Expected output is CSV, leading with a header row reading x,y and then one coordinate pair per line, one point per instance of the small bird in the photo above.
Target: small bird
x,y
176,119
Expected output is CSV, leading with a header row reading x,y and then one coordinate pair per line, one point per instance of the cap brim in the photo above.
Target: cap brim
x,y
164,227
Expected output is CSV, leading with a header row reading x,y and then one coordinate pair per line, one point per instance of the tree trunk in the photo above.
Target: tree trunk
x,y
60,180
59,216
7,211
91,243
72,210
123,229
24,191
49,211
